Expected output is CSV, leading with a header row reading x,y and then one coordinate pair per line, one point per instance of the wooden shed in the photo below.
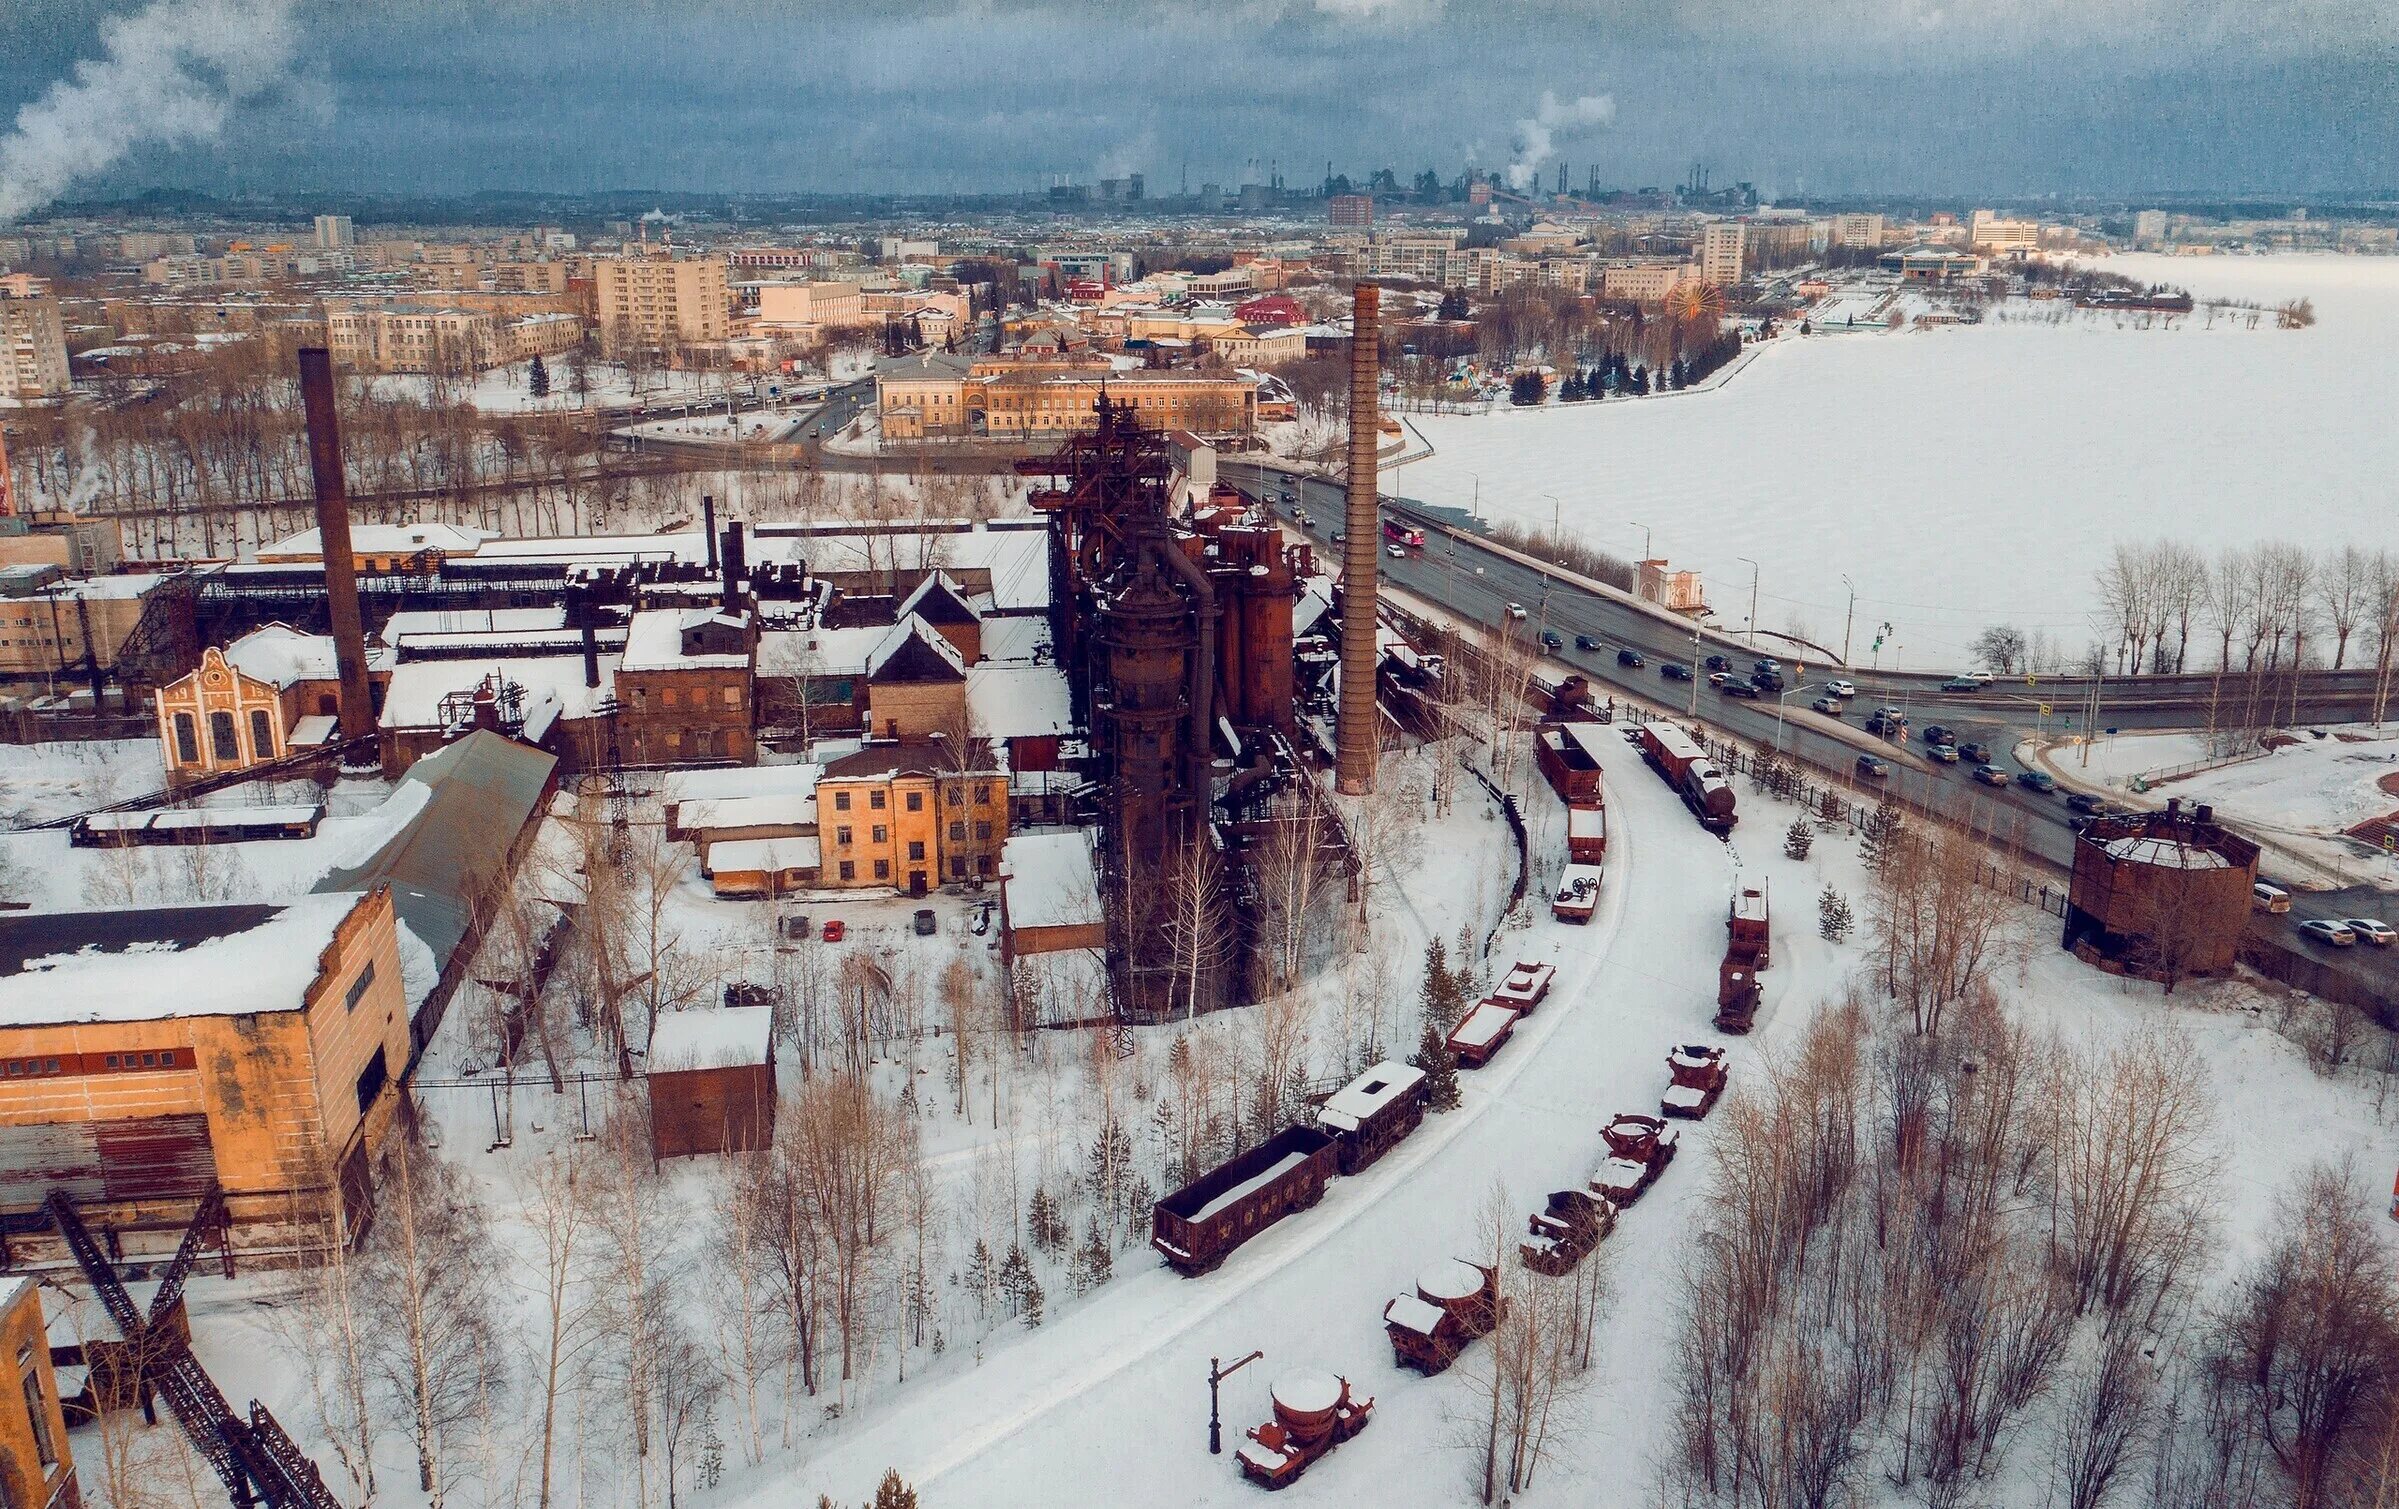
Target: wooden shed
x,y
712,1081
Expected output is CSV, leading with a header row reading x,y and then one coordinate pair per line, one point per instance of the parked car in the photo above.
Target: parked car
x,y
1873,769
1743,689
2268,897
1719,663
1840,688
2325,930
1674,670
835,930
1586,642
1551,641
1990,775
2368,930
1829,706
1941,754
924,922
2037,780
1975,754
1632,658
1962,684
1515,610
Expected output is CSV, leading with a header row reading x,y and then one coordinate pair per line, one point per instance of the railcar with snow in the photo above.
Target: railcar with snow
x,y
1563,1232
1369,1115
1639,1148
1199,1225
1455,1302
1481,1033
1313,1413
1525,986
1748,949
1577,895
1682,764
1697,1075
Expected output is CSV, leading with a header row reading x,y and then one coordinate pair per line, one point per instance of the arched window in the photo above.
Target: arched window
x,y
187,740
223,738
262,734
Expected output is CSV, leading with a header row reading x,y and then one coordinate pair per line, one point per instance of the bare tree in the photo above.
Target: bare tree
x,y
561,1216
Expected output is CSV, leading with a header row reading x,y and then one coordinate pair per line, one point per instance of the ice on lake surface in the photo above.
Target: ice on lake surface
x,y
1963,477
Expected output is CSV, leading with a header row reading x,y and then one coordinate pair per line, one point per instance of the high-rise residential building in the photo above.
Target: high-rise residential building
x,y
1720,252
1350,210
2149,227
659,300
1987,231
33,343
334,233
1856,228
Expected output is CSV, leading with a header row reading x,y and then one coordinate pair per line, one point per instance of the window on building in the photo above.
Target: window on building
x,y
983,831
916,849
874,799
733,696
841,802
187,740
841,836
916,801
982,796
957,797
882,869
360,986
223,737
849,871
957,867
882,834
262,734
371,1081
957,833
30,1372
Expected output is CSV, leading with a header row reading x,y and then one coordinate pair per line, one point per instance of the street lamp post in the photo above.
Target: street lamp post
x,y
1646,552
1557,512
1753,598
1217,1375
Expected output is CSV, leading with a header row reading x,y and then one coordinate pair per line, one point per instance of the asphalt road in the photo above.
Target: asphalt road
x,y
1479,584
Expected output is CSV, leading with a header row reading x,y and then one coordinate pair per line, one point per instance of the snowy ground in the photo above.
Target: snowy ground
x,y
39,782
506,390
763,425
1968,476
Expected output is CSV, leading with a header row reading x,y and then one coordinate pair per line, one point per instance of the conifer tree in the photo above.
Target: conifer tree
x,y
891,1493
1833,919
1440,1070
1882,831
537,379
1798,838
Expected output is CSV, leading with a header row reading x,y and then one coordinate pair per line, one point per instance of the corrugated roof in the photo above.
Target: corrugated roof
x,y
482,790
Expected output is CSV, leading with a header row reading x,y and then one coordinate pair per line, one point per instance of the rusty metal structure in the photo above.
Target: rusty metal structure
x,y
1175,636
333,538
2160,895
1358,737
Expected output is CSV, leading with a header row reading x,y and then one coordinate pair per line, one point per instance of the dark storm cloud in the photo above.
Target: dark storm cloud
x,y
1824,95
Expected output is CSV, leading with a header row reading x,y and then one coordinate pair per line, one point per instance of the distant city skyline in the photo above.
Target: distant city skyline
x,y
742,96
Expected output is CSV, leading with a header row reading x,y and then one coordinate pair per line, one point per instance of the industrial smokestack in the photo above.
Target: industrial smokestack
x,y
1356,740
736,566
333,536
708,528
578,611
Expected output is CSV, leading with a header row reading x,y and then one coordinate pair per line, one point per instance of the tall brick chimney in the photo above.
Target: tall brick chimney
x,y
1357,737
333,535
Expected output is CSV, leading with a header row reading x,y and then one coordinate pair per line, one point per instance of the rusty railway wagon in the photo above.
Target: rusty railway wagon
x,y
1639,1148
1199,1225
1748,949
1455,1302
1373,1112
1697,1075
1564,1232
1313,1413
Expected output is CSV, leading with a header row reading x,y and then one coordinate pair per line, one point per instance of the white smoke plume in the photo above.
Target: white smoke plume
x,y
172,73
1536,134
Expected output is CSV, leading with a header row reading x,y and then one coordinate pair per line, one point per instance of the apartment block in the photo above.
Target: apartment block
x,y
33,345
334,232
660,301
402,339
1720,245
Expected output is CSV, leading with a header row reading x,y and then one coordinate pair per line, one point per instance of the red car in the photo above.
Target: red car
x,y
835,930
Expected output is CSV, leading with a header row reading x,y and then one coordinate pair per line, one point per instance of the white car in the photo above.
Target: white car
x,y
1841,689
2325,930
2368,930
1396,552
1516,610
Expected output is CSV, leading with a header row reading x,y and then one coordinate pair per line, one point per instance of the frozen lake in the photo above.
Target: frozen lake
x,y
1964,477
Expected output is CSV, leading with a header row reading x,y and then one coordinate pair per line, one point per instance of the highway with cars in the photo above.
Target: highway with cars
x,y
1478,581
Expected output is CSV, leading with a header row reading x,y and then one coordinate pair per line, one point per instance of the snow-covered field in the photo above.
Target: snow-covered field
x,y
508,389
1968,476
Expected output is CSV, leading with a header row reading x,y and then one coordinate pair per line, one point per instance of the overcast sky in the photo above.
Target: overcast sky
x,y
1964,97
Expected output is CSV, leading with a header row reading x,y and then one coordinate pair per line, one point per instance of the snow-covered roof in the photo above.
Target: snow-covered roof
x,y
385,539
1351,1106
1450,1279
705,1037
553,686
780,810
1050,880
1018,701
742,856
739,780
1580,879
654,640
818,652
2166,854
1483,1025
282,656
145,964
913,630
1021,636
1412,1314
451,621
1587,822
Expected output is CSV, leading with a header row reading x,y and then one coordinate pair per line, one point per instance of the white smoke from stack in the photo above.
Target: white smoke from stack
x,y
172,74
1536,134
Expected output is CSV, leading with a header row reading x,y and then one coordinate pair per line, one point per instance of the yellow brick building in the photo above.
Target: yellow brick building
x,y
37,1467
892,816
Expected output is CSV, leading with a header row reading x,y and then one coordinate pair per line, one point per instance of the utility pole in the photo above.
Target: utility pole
x,y
1849,618
1753,598
1695,663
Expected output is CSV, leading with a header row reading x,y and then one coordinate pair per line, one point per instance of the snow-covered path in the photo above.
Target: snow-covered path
x,y
1115,1392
